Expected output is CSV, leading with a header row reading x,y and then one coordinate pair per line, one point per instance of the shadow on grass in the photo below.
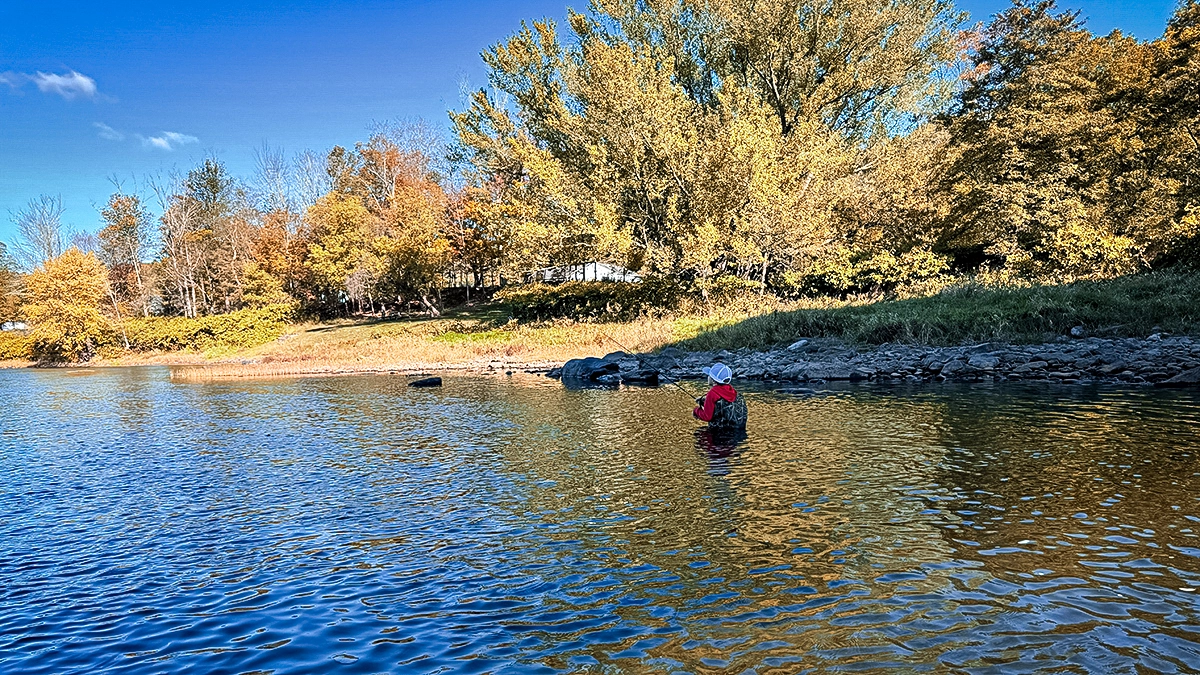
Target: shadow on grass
x,y
1133,306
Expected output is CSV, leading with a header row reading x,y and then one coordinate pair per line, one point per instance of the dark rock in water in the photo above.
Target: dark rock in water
x,y
554,373
615,356
611,379
647,377
588,370
427,382
1188,378
797,391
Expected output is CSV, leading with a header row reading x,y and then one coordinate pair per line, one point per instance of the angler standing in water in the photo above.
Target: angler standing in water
x,y
722,407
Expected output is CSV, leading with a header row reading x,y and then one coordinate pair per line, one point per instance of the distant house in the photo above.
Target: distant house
x,y
591,271
13,325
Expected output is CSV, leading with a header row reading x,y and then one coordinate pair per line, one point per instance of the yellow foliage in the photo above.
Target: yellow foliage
x,y
341,230
15,347
260,288
63,306
244,328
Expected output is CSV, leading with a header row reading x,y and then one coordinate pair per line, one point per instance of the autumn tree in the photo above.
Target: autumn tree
x,y
280,192
474,234
412,250
124,242
64,297
382,234
207,239
1067,166
340,231
699,138
1175,117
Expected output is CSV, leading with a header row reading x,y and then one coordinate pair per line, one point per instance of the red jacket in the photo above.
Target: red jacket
x,y
720,391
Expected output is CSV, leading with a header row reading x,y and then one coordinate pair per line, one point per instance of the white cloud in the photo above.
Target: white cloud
x,y
67,86
169,140
108,133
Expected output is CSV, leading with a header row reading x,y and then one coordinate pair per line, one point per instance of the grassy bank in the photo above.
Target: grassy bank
x,y
474,338
485,336
1126,307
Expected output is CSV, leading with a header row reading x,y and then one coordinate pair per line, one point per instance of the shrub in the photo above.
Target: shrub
x,y
842,274
15,347
244,328
728,287
591,300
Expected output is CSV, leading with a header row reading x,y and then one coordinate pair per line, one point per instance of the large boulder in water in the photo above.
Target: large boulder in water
x,y
1188,378
588,370
647,377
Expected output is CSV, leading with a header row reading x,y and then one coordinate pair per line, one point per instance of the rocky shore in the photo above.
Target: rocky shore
x,y
1158,360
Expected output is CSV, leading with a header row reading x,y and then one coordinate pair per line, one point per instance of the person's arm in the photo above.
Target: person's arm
x,y
705,413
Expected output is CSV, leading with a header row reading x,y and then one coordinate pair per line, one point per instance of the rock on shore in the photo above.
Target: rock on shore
x,y
1160,359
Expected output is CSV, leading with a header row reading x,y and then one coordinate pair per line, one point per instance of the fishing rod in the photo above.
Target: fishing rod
x,y
631,353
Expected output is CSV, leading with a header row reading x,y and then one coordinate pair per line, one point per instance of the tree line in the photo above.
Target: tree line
x,y
784,146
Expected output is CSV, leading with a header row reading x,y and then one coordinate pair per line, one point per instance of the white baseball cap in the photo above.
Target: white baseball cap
x,y
719,372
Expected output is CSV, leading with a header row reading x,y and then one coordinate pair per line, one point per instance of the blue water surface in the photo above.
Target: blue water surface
x,y
511,526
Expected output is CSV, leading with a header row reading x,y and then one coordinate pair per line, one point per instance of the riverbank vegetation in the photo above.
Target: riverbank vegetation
x,y
739,157
487,337
1133,306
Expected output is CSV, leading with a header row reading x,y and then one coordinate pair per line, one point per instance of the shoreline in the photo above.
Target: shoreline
x,y
1158,360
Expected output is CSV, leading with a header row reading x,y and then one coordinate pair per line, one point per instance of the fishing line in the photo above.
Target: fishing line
x,y
631,353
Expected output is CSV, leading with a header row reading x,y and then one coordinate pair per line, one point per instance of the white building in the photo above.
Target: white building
x,y
13,325
591,271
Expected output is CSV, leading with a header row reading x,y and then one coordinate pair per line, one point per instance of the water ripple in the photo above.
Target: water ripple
x,y
314,525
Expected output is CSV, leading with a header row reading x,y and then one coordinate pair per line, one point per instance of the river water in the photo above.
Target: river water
x,y
354,525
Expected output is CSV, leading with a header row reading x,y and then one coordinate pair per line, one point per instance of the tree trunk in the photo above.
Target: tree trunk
x,y
433,311
120,322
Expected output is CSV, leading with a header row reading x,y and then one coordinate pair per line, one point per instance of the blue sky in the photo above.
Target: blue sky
x,y
92,90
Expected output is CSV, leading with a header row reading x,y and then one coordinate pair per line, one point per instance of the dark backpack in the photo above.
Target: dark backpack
x,y
727,415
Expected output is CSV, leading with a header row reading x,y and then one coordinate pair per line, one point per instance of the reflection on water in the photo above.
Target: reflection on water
x,y
490,526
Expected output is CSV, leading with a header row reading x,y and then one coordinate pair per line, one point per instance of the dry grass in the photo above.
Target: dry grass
x,y
462,342
480,340
477,339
